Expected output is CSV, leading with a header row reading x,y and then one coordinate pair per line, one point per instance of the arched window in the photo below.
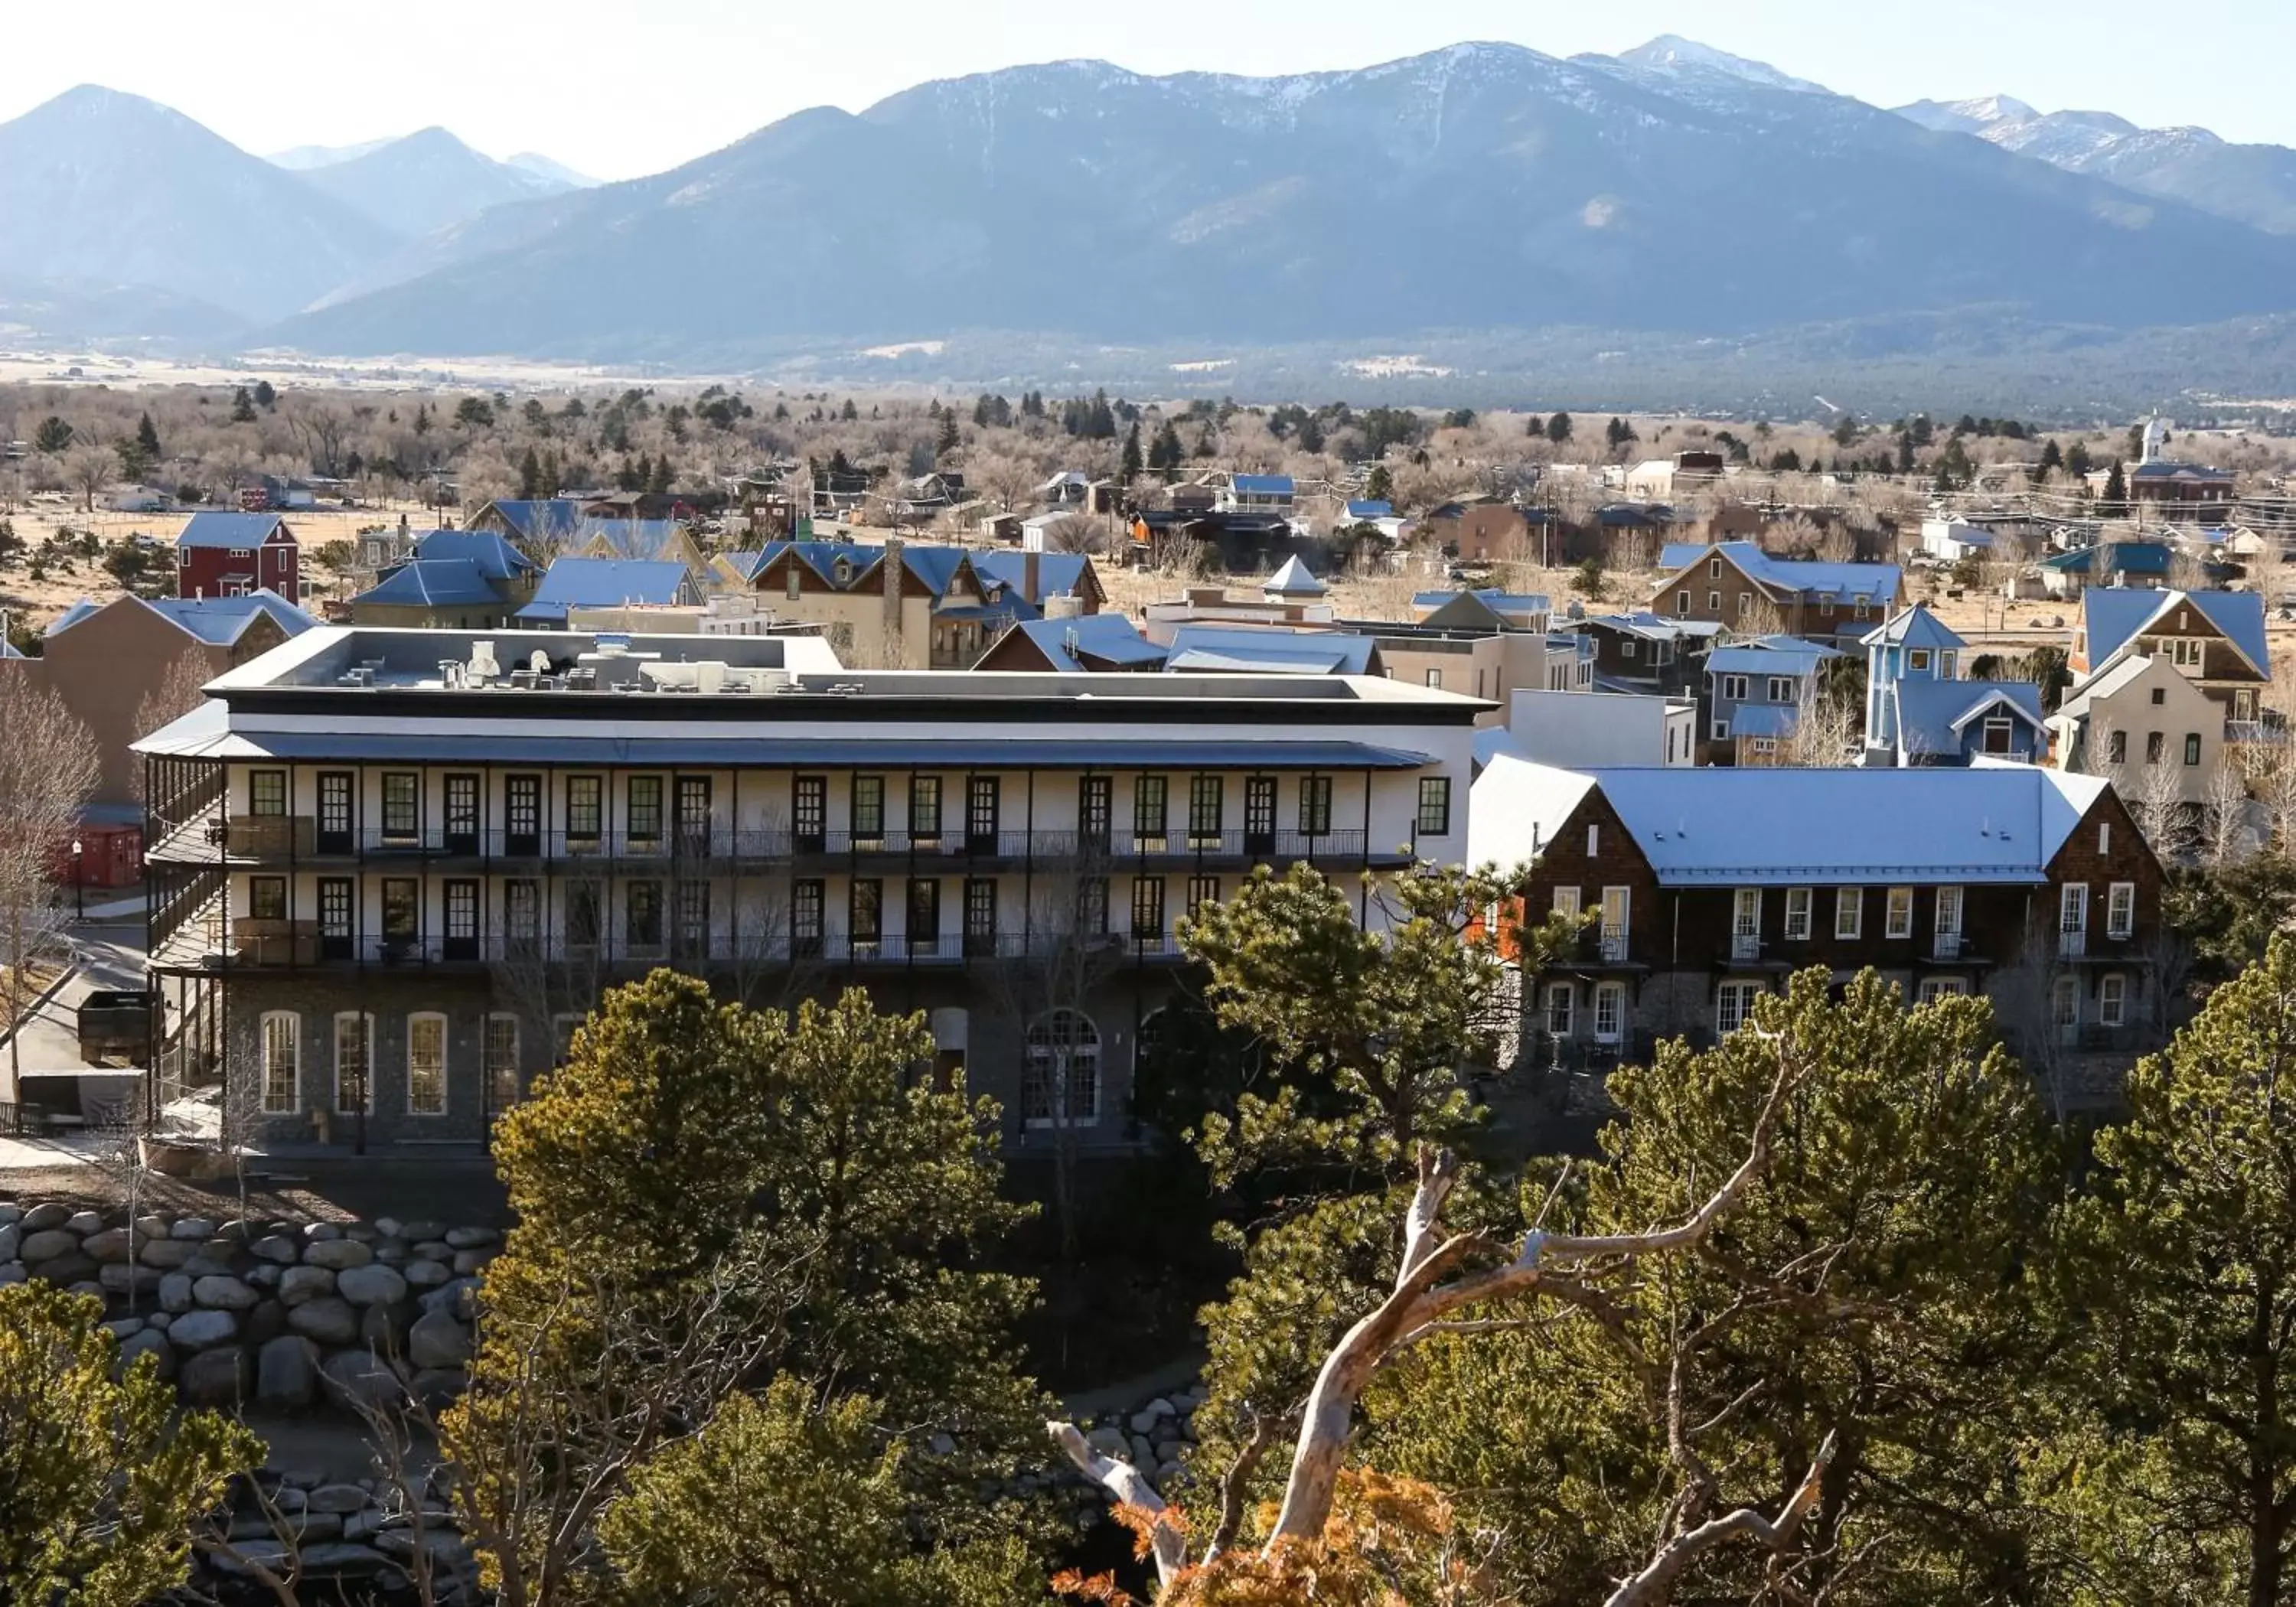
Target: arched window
x,y
1062,1087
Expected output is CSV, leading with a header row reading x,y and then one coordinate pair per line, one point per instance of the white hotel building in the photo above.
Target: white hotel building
x,y
389,869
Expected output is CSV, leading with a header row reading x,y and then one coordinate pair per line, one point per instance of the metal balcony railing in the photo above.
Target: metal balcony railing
x,y
296,838
2072,941
1745,945
301,944
1944,946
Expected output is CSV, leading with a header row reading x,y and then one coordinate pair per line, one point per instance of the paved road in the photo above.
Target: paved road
x,y
109,956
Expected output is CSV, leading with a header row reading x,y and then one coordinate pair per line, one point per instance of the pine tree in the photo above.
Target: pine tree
x,y
529,476
1129,468
2052,459
147,439
2116,488
243,406
641,475
1535,426
658,482
1558,427
948,440
265,397
1165,452
54,436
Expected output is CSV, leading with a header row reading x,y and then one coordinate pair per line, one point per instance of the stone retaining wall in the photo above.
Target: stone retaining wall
x,y
278,1314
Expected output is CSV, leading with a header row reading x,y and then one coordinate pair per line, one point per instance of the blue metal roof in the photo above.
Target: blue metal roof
x,y
1796,660
1503,602
1873,582
1371,508
1932,713
606,583
220,530
937,566
1264,485
431,583
1916,626
1749,825
1765,720
2127,557
219,620
547,517
491,551
1112,638
767,749
1269,649
2111,616
634,539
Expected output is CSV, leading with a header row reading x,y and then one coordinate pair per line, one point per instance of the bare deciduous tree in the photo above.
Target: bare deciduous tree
x,y
47,769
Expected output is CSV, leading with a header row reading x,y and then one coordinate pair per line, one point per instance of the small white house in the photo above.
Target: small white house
x,y
1950,540
1595,730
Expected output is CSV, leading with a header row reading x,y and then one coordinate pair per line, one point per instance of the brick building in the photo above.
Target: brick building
x,y
396,867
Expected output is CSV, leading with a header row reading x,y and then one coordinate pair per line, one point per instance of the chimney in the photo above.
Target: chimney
x,y
1029,564
895,647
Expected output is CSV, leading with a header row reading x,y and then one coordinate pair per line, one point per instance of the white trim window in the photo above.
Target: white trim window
x,y
1948,911
1934,988
1567,899
1610,1011
1733,689
1061,1085
1898,919
1848,912
1798,908
1561,1006
282,1062
1782,689
1721,729
2113,1000
426,1063
2120,909
2065,1007
1746,912
353,1063
2072,908
1734,1003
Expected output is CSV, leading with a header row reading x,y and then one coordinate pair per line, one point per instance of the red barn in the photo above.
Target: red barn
x,y
232,555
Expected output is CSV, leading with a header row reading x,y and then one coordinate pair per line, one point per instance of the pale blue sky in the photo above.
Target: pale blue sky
x,y
619,90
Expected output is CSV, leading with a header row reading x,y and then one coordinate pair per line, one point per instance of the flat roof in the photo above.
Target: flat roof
x,y
368,661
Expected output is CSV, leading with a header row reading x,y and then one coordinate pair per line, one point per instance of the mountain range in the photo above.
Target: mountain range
x,y
2254,185
1675,191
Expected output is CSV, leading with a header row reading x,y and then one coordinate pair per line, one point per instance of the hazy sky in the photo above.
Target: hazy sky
x,y
619,90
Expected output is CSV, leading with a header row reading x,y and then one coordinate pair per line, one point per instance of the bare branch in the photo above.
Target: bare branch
x,y
1130,1488
1656,1581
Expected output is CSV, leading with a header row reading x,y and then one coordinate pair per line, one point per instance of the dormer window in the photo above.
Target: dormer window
x,y
1918,659
843,572
2186,652
1945,666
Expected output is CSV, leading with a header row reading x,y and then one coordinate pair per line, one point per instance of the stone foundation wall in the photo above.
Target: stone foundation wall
x,y
279,1315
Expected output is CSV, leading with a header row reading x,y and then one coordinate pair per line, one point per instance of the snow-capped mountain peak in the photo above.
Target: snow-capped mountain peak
x,y
1673,53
